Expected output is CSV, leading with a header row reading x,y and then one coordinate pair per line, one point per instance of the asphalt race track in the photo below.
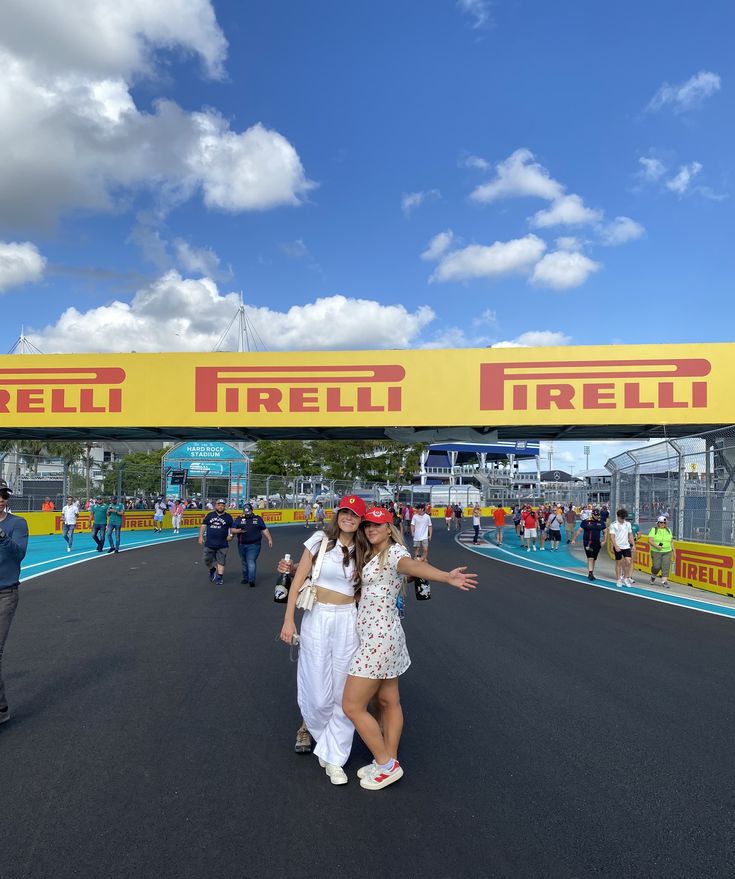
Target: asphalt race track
x,y
552,730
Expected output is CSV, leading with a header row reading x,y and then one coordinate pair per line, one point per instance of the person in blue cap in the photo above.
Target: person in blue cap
x,y
250,530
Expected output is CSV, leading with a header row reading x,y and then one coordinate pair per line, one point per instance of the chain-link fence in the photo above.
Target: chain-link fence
x,y
689,480
39,479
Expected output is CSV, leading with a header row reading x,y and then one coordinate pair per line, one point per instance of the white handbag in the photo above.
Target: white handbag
x,y
307,593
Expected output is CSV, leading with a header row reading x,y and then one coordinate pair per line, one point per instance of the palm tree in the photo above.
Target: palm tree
x,y
31,450
69,452
5,447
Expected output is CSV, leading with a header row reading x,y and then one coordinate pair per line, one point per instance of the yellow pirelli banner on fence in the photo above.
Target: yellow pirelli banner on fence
x,y
701,565
142,520
611,385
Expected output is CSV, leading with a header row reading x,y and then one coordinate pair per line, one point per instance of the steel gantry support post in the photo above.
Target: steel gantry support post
x,y
680,499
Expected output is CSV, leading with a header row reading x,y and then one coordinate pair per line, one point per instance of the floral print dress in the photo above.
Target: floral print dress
x,y
382,652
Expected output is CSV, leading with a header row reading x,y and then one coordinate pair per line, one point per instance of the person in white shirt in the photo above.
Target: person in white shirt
x,y
476,521
69,513
421,532
621,534
307,514
329,633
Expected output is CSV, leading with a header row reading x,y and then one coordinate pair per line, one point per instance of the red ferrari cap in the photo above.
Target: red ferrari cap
x,y
377,514
353,503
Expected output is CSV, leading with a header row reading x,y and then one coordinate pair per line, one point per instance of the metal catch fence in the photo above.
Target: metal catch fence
x,y
689,480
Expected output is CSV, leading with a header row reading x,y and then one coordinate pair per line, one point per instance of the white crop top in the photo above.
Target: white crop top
x,y
333,574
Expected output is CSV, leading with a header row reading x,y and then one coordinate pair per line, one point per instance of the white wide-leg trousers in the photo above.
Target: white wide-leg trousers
x,y
328,641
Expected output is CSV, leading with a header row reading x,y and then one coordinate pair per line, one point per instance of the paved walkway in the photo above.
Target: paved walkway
x,y
552,730
570,563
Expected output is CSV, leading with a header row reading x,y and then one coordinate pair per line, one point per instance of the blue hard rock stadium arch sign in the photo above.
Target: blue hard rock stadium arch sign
x,y
202,459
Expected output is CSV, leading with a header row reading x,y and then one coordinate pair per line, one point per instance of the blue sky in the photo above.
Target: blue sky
x,y
369,175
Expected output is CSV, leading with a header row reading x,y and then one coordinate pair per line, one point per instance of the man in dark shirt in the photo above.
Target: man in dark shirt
x,y
214,536
594,537
98,512
13,545
250,530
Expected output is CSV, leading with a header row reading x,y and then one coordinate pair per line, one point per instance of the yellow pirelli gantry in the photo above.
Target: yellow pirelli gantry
x,y
546,393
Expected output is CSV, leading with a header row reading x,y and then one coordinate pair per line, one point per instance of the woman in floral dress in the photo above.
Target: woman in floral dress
x,y
382,655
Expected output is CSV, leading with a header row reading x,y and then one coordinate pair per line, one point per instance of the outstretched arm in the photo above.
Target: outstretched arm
x,y
457,577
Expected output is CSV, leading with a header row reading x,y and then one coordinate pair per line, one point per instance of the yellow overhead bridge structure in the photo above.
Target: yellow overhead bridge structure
x,y
478,394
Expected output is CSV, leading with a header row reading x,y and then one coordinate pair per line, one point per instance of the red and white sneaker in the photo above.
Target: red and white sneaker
x,y
380,778
364,771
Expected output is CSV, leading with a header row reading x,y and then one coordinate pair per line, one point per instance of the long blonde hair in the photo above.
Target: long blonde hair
x,y
368,554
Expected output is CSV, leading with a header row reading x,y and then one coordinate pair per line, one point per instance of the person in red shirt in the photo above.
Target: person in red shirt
x,y
448,516
530,528
48,506
499,517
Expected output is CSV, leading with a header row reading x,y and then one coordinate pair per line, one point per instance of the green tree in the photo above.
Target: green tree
x,y
31,450
69,452
141,472
287,458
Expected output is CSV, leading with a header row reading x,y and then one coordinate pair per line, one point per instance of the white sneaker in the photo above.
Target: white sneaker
x,y
335,773
68,549
534,548
380,778
665,583
621,583
629,581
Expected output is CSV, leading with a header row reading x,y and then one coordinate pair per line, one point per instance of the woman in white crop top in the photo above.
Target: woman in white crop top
x,y
329,634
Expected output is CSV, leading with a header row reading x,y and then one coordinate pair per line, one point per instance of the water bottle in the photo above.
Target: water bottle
x,y
283,584
423,589
401,605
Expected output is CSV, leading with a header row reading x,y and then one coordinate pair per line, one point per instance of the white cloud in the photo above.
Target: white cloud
x,y
454,337
411,200
536,339
20,263
72,137
519,176
487,317
681,182
182,314
653,169
254,170
110,38
621,230
563,269
476,163
568,210
438,245
568,242
490,261
199,260
294,249
477,10
685,95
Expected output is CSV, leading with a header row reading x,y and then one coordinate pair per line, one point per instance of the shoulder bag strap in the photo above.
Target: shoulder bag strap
x,y
316,570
